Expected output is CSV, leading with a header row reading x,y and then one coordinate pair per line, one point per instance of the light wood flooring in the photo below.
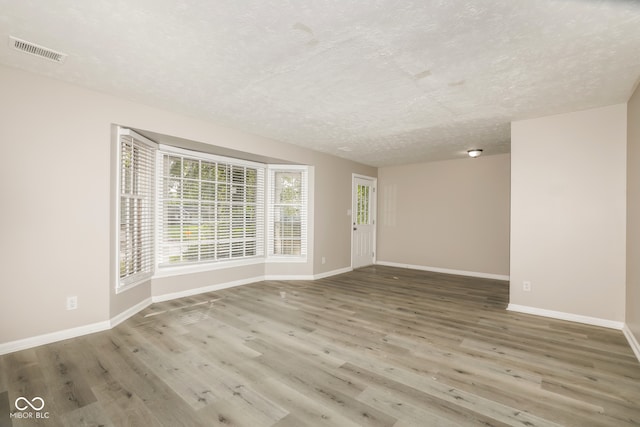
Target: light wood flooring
x,y
379,346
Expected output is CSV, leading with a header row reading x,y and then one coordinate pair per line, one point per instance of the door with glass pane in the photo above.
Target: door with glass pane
x,y
363,220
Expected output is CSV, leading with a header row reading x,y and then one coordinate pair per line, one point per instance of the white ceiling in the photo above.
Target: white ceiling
x,y
378,81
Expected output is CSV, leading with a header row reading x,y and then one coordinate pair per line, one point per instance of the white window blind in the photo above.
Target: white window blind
x,y
136,178
210,208
287,221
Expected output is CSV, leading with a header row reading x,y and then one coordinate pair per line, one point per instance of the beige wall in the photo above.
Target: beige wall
x,y
56,173
450,214
633,215
568,212
567,226
194,281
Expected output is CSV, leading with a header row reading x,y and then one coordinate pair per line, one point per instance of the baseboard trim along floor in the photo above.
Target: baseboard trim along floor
x,y
48,338
595,321
445,270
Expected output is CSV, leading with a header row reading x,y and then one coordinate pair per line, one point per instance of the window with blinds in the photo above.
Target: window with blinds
x,y
210,208
363,207
136,185
287,222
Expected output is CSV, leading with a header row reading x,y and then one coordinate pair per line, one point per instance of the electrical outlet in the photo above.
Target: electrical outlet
x,y
72,303
526,286
324,260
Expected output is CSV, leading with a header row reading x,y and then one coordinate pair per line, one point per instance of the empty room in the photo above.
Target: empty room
x,y
327,213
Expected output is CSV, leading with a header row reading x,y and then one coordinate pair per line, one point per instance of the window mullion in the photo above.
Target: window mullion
x,y
215,216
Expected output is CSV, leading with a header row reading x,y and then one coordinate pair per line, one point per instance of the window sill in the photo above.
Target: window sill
x,y
122,287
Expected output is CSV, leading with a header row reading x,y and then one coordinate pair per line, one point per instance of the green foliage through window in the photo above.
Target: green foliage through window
x,y
210,210
288,212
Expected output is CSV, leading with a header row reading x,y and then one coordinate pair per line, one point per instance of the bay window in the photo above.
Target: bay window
x,y
210,208
180,207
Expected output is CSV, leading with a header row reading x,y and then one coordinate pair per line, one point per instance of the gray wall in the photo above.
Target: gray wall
x,y
57,174
633,215
450,215
568,212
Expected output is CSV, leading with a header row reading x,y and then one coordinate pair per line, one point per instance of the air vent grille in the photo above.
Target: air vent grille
x,y
36,50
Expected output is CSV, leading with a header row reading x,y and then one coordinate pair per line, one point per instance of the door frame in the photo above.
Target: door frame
x,y
373,213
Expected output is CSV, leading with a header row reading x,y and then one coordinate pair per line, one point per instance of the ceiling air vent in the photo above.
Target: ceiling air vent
x,y
36,50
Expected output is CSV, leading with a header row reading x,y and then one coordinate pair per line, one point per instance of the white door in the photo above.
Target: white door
x,y
363,219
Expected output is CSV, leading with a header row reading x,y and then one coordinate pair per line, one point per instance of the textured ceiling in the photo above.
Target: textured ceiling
x,y
381,82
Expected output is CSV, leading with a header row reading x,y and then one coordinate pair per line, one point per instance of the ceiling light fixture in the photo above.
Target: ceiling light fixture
x,y
474,152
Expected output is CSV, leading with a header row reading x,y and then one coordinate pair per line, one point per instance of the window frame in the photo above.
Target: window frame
x,y
148,270
272,169
167,268
156,270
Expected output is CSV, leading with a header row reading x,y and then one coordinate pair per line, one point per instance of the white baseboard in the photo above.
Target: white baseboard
x,y
204,289
119,318
23,344
595,321
211,288
38,340
633,342
445,270
288,277
332,273
308,276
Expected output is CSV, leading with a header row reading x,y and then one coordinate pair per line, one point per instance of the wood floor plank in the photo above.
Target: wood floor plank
x,y
291,421
302,406
25,378
124,408
5,410
87,416
378,346
170,369
3,377
558,408
333,391
123,367
448,395
245,407
396,393
625,411
581,372
67,384
408,414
